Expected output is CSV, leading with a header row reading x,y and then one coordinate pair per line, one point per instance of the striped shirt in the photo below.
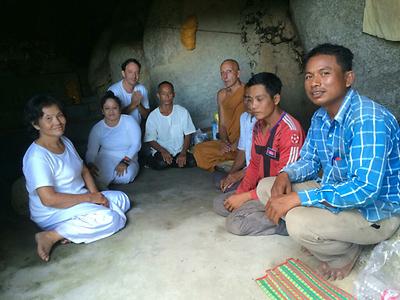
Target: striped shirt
x,y
359,154
288,139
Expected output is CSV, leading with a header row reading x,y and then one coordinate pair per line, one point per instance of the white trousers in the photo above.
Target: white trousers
x,y
100,223
107,174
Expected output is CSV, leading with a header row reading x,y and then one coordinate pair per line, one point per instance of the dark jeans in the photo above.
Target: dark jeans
x,y
157,162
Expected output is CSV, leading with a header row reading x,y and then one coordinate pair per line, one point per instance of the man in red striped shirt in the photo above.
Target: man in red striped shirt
x,y
277,139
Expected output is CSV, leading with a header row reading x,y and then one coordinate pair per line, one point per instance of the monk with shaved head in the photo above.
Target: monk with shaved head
x,y
230,107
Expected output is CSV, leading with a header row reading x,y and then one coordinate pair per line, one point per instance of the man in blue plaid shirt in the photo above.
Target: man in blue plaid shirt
x,y
355,142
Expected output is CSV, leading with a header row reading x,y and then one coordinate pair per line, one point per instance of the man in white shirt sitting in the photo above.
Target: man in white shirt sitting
x,y
230,181
133,95
168,131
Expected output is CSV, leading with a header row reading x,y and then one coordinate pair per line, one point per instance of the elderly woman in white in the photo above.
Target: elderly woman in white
x,y
114,143
63,198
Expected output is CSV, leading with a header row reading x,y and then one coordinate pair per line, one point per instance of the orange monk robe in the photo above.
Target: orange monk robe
x,y
208,154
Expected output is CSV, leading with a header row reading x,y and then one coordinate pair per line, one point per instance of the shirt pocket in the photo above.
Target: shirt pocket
x,y
339,169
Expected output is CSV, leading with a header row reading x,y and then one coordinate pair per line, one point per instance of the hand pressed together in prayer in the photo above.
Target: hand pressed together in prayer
x,y
135,99
181,160
121,169
166,156
98,198
236,200
278,206
229,180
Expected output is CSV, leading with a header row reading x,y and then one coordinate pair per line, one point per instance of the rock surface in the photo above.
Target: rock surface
x,y
258,34
376,61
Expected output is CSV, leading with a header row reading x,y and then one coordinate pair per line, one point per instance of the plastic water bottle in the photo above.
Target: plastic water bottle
x,y
214,126
214,130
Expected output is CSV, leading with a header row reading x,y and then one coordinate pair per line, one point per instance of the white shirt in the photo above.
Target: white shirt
x,y
247,122
63,172
126,98
124,139
169,131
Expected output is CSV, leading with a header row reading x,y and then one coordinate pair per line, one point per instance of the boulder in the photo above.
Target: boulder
x,y
258,34
376,61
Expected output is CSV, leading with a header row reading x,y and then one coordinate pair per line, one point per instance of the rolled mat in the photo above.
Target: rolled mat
x,y
295,280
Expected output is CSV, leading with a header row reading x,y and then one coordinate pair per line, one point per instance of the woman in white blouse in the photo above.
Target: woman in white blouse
x,y
63,198
114,143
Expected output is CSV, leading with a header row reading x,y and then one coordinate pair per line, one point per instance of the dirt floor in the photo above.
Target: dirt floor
x,y
173,247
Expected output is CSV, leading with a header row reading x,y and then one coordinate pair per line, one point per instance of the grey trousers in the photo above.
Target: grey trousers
x,y
218,176
249,219
332,238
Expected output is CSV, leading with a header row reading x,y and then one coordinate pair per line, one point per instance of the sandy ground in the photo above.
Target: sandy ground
x,y
173,247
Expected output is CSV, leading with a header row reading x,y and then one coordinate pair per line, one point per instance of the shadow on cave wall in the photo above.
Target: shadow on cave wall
x,y
45,48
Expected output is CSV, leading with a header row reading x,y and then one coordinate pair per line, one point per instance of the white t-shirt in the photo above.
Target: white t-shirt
x,y
125,97
119,141
247,122
107,146
169,131
63,172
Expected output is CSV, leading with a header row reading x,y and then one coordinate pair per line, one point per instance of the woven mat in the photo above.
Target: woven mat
x,y
294,280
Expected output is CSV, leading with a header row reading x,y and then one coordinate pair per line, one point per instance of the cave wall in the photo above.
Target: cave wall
x,y
376,61
121,38
53,45
195,73
262,35
258,34
45,48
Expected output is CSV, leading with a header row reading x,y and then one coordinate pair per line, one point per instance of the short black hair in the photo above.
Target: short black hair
x,y
33,110
110,95
166,82
344,56
130,60
271,82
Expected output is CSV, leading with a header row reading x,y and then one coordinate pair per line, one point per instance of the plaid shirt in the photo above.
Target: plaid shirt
x,y
359,152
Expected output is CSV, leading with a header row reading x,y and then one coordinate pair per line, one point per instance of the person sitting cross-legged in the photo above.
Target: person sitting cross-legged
x,y
113,145
229,181
277,139
168,132
230,107
63,198
356,142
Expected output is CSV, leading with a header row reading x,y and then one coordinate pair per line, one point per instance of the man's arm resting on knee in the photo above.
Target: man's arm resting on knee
x,y
181,159
278,206
165,154
282,185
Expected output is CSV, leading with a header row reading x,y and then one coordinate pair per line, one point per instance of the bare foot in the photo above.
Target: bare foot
x,y
45,241
330,273
65,242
